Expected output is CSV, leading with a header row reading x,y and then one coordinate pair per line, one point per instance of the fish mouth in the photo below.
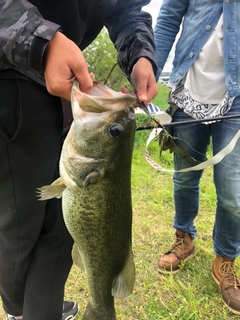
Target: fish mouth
x,y
102,106
101,99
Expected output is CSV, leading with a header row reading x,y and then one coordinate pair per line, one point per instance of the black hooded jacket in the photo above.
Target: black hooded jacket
x,y
27,26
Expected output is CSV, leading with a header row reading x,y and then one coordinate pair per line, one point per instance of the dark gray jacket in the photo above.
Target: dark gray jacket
x,y
27,26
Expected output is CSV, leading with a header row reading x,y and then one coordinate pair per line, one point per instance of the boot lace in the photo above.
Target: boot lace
x,y
177,247
228,273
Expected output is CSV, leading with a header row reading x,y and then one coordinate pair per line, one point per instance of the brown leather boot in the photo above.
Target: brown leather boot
x,y
224,274
182,250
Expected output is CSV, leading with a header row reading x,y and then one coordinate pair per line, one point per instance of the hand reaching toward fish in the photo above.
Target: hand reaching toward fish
x,y
63,62
143,80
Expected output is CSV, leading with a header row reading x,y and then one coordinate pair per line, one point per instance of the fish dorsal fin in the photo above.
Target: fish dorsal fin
x,y
77,259
123,284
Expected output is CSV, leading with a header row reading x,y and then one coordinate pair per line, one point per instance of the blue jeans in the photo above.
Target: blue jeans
x,y
194,139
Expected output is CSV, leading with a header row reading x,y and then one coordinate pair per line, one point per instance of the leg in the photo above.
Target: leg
x,y
226,236
34,243
194,140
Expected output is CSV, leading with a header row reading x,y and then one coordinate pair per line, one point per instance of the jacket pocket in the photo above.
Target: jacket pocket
x,y
10,115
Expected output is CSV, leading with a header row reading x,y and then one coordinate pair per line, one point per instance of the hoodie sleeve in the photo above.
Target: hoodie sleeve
x,y
130,29
24,35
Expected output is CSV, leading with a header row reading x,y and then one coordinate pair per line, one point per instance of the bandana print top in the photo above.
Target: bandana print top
x,y
182,98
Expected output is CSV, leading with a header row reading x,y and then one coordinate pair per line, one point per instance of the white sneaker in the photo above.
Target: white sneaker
x,y
10,317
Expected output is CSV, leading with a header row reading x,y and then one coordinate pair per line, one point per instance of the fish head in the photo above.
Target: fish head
x,y
101,136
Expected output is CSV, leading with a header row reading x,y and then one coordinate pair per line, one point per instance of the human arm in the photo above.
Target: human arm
x,y
166,29
130,29
24,37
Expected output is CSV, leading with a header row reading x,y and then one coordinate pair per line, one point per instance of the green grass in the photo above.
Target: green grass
x,y
190,294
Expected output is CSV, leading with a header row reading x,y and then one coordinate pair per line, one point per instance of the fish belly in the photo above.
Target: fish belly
x,y
100,224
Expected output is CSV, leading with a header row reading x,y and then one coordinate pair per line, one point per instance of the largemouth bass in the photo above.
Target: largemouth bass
x,y
95,185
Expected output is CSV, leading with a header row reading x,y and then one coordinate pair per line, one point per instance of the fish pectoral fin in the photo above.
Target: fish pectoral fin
x,y
123,284
92,178
77,259
54,190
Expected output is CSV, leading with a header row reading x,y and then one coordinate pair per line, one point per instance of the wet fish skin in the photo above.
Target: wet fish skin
x,y
95,170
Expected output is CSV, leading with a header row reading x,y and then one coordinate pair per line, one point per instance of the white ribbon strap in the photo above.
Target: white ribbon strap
x,y
212,161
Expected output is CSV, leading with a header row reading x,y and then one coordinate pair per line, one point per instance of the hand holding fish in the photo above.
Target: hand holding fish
x,y
63,62
143,80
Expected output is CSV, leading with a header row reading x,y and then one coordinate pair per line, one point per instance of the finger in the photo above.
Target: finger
x,y
85,83
152,88
142,91
57,87
152,92
92,75
125,90
84,77
147,90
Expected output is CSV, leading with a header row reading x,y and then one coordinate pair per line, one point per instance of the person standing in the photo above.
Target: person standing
x,y
41,45
205,83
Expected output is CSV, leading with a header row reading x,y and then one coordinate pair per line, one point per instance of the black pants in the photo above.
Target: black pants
x,y
35,247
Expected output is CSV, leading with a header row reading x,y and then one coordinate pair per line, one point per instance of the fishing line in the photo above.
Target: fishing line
x,y
212,161
185,141
172,124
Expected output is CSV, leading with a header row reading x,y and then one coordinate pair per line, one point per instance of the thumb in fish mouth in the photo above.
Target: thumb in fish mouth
x,y
124,89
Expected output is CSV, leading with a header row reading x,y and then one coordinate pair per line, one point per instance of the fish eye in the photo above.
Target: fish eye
x,y
115,130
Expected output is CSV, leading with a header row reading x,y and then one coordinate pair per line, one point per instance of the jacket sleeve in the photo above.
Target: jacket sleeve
x,y
167,27
24,35
130,29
